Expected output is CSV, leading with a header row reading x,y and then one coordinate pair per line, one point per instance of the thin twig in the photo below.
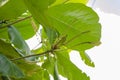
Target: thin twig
x,y
32,55
19,20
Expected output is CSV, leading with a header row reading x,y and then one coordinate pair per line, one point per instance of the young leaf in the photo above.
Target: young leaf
x,y
86,59
68,69
19,43
52,34
79,24
7,68
12,9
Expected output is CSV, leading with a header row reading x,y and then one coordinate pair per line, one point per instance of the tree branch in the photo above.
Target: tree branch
x,y
32,55
19,20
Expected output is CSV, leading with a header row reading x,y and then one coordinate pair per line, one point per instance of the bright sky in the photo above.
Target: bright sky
x,y
106,56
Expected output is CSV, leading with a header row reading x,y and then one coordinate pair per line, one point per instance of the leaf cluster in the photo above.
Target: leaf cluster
x,y
66,25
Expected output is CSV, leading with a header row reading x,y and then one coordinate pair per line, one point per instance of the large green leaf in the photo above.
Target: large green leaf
x,y
19,43
26,28
86,59
79,24
67,69
37,8
40,5
12,9
7,68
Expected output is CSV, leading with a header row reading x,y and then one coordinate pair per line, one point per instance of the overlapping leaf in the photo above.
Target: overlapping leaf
x,y
8,50
7,68
52,34
38,11
67,69
49,65
19,43
27,28
40,75
12,9
28,68
79,24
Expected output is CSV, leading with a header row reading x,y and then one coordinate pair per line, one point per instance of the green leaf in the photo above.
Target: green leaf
x,y
3,2
52,34
38,11
29,68
19,43
86,59
3,33
8,50
49,65
27,28
12,9
56,74
78,1
41,5
39,75
51,1
5,78
79,24
67,69
7,68
69,1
